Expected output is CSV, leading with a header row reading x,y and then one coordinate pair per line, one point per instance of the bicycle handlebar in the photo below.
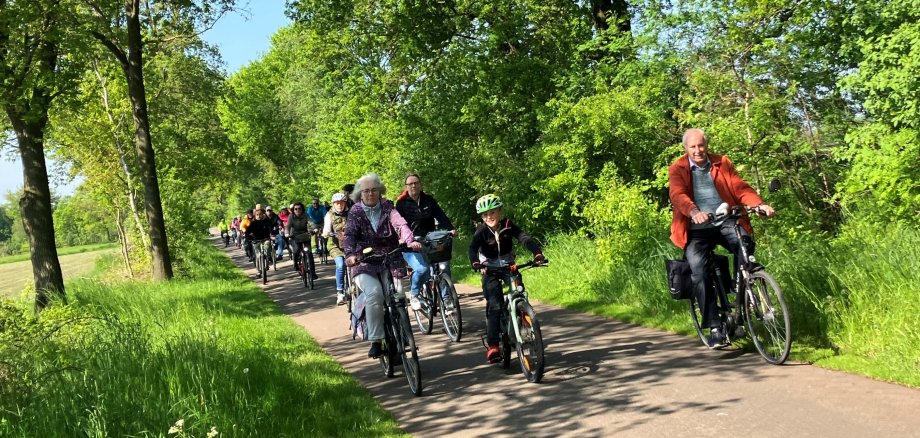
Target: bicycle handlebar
x,y
735,212
516,267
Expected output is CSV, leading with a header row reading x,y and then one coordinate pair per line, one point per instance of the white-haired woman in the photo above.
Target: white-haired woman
x,y
373,222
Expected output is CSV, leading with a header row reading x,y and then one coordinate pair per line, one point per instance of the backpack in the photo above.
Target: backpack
x,y
680,285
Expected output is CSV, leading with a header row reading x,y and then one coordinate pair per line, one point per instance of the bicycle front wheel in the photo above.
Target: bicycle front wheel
x,y
424,316
696,314
302,271
530,349
450,308
264,270
406,343
768,318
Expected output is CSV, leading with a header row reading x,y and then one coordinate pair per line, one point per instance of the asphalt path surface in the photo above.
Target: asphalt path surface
x,y
603,378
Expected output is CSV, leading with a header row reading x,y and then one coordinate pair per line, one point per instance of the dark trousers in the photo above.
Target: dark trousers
x,y
247,246
295,250
493,289
700,244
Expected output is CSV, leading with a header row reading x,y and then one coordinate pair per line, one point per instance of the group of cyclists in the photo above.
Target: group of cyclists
x,y
362,217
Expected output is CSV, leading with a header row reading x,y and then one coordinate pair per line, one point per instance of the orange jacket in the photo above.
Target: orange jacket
x,y
732,189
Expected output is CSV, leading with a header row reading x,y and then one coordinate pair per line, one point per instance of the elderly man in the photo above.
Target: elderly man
x,y
698,183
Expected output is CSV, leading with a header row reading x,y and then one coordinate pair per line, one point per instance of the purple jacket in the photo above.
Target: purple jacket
x,y
359,235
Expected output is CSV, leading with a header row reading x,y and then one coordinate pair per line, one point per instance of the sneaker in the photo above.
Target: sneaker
x,y
494,354
340,298
279,258
315,277
415,303
375,350
716,339
448,307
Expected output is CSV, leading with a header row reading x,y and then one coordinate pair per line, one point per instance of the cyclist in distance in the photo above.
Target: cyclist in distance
x,y
334,228
316,213
420,210
373,222
298,231
283,215
492,245
277,232
260,228
699,182
247,242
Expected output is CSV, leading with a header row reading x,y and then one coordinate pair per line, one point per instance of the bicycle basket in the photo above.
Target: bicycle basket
x,y
437,247
680,284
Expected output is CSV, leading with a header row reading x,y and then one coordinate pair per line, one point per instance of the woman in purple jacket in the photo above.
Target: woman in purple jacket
x,y
373,222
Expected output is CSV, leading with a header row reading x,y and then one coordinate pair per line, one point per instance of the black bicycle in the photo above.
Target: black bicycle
x,y
304,265
320,248
398,343
761,305
438,294
262,258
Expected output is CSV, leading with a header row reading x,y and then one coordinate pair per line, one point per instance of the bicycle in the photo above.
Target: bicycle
x,y
225,236
306,271
446,302
398,343
261,259
761,306
523,329
321,250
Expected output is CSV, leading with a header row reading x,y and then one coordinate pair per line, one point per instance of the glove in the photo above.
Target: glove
x,y
478,267
539,259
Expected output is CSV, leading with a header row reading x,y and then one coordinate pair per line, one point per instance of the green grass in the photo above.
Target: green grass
x,y
853,301
67,250
211,349
16,280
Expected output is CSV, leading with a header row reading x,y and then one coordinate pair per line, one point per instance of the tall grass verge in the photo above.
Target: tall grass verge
x,y
210,349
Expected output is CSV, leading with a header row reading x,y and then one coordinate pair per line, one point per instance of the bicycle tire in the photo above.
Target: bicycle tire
x,y
264,270
274,261
769,330
696,315
505,347
451,316
311,271
531,350
386,356
424,316
302,271
407,349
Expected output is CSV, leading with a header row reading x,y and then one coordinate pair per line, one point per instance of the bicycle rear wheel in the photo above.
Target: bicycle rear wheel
x,y
424,316
450,308
768,318
264,269
406,343
530,349
274,261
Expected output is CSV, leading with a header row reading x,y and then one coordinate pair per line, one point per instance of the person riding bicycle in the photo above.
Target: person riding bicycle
x,y
260,228
298,231
698,183
374,223
316,213
492,246
334,227
247,242
420,210
283,216
223,228
347,189
278,232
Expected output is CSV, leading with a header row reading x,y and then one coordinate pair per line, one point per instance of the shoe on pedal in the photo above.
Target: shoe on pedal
x,y
493,354
340,298
375,351
415,303
716,340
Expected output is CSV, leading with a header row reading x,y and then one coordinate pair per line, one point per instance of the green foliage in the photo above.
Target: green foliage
x,y
209,349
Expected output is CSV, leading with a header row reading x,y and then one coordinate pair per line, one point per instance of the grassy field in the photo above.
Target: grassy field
x,y
17,276
853,301
208,353
62,251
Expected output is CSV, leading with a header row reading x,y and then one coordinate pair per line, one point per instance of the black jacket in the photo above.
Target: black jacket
x,y
260,229
421,215
485,242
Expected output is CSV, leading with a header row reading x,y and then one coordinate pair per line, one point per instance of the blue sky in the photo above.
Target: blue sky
x,y
241,38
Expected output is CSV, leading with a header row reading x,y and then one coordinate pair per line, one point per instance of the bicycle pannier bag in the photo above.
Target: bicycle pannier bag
x,y
679,283
359,319
437,247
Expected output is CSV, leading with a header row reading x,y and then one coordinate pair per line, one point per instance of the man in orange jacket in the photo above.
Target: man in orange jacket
x,y
698,183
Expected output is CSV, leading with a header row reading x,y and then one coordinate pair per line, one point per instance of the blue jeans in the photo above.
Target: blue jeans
x,y
279,241
340,273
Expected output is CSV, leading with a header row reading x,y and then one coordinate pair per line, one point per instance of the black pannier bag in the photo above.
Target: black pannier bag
x,y
437,247
679,283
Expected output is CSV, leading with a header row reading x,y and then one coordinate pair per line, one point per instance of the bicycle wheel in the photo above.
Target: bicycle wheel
x,y
389,350
505,345
450,308
696,314
406,343
302,271
264,269
424,316
530,349
274,261
311,270
768,318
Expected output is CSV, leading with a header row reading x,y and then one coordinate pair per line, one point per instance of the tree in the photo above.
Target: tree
x,y
32,39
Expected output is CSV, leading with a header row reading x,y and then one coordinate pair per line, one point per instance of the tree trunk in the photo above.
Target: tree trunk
x,y
35,204
159,248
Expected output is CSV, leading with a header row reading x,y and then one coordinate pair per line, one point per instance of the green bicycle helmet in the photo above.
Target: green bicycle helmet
x,y
487,203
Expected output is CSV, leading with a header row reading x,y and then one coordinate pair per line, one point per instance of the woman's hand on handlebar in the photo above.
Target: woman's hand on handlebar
x,y
351,261
414,245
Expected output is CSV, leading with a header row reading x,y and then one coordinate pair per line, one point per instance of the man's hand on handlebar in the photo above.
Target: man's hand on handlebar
x,y
699,217
765,210
539,259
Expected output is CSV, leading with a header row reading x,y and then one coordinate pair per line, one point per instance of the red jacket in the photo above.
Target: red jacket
x,y
732,189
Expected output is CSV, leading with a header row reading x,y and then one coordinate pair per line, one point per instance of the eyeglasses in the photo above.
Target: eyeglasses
x,y
413,184
298,209
369,191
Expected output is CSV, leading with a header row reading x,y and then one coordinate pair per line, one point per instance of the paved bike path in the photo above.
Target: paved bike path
x,y
603,377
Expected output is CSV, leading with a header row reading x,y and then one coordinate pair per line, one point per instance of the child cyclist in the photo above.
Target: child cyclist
x,y
491,246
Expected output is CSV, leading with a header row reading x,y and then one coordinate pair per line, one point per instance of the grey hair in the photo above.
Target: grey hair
x,y
683,140
364,180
